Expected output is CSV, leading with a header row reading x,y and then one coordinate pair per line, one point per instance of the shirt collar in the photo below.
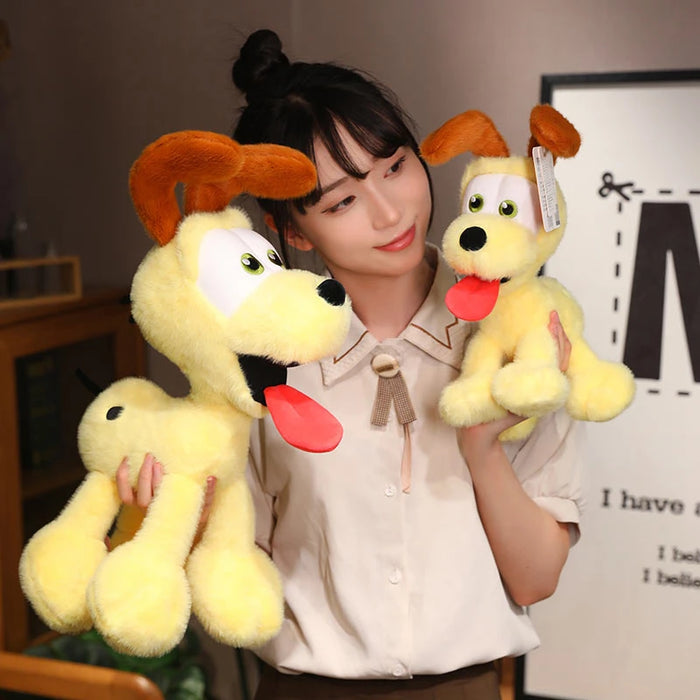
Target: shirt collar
x,y
433,329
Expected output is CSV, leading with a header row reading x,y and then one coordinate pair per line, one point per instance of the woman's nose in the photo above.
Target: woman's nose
x,y
385,211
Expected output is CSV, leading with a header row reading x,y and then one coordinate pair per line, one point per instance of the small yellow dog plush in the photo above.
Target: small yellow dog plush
x,y
499,243
214,298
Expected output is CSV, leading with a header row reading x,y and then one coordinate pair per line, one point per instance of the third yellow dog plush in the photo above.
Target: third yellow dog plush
x,y
499,243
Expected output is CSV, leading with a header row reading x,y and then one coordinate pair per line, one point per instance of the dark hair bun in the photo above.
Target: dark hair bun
x,y
261,58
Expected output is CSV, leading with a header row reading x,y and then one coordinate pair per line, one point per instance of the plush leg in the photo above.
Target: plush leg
x,y
468,400
600,390
532,384
61,558
236,590
139,598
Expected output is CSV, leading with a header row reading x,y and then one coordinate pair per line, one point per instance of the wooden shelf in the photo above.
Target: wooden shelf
x,y
92,297
68,283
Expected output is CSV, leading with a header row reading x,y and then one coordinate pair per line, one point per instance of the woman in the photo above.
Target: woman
x,y
407,554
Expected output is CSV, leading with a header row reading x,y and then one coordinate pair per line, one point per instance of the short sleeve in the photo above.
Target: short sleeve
x,y
549,465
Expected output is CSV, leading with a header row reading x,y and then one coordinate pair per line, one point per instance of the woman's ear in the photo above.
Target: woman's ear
x,y
296,240
291,236
270,222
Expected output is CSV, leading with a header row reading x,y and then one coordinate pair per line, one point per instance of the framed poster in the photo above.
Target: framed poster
x,y
625,620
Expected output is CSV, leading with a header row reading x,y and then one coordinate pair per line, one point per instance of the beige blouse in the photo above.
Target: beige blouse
x,y
379,582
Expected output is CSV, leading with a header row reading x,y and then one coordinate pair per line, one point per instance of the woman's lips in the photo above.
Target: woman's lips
x,y
401,242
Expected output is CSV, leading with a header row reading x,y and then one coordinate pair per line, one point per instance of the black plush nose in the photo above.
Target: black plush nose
x,y
332,291
473,238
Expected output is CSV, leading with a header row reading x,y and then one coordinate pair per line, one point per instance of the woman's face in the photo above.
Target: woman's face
x,y
374,226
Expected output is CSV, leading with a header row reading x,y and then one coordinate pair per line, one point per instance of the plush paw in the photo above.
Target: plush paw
x,y
519,431
55,570
140,603
601,393
467,401
237,598
530,391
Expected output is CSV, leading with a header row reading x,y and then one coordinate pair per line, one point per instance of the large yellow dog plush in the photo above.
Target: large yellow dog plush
x,y
214,298
498,244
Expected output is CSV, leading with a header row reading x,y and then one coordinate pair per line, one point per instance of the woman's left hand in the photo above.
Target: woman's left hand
x,y
561,339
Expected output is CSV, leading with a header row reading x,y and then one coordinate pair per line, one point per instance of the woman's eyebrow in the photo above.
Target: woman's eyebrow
x,y
328,188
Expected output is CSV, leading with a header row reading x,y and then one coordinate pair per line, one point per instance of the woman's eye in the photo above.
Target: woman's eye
x,y
508,208
476,203
251,264
342,204
273,257
397,165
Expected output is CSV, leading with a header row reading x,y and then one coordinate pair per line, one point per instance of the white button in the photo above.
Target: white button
x,y
399,670
395,576
385,365
390,490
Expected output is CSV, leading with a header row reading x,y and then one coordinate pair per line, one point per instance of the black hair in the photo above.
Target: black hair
x,y
294,103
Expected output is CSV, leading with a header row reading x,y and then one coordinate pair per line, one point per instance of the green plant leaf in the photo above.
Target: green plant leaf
x,y
177,673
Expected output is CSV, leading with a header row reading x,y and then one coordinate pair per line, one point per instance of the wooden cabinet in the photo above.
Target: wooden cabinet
x,y
42,351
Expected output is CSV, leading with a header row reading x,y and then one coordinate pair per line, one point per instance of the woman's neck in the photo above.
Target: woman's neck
x,y
386,305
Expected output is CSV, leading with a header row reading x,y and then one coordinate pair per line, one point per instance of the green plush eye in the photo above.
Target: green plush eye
x,y
508,208
476,203
273,257
251,264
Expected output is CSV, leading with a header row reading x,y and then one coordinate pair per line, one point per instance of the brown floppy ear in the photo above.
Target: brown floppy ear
x,y
470,131
267,170
552,130
276,172
193,157
214,169
206,196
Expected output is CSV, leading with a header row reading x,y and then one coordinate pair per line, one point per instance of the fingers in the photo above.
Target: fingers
x,y
150,477
157,474
561,339
501,424
144,484
126,493
476,440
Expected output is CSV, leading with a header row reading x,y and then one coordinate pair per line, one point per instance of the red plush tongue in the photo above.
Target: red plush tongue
x,y
472,299
301,421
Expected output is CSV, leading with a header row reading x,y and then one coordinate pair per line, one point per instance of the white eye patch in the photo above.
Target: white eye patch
x,y
232,263
511,196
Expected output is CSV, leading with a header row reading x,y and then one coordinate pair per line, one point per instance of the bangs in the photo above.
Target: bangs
x,y
378,126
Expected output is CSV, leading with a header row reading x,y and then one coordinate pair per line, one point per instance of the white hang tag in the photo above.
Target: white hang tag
x,y
546,187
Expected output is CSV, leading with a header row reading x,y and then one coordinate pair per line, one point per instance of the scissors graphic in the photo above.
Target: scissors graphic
x,y
610,186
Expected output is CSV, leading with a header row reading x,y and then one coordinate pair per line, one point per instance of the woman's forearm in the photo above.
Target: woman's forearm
x,y
530,547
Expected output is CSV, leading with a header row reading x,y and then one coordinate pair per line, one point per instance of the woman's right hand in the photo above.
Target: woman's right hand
x,y
150,476
149,479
